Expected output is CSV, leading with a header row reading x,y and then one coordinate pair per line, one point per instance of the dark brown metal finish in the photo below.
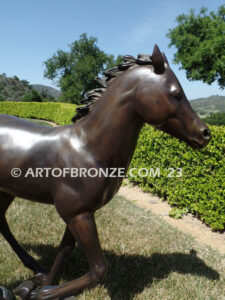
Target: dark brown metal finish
x,y
141,90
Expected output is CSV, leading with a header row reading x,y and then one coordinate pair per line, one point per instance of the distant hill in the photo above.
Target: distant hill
x,y
47,90
12,88
205,106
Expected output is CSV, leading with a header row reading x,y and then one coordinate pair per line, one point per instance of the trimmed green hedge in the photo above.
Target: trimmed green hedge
x,y
201,189
59,113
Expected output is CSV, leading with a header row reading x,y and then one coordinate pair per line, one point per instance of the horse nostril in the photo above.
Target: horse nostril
x,y
206,134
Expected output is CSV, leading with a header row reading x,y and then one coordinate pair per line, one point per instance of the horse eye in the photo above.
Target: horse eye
x,y
178,96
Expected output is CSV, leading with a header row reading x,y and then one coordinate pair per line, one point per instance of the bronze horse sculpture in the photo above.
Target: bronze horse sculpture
x,y
140,90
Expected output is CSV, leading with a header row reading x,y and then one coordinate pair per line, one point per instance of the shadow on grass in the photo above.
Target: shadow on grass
x,y
127,274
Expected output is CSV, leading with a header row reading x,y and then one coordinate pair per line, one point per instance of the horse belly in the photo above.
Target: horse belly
x,y
32,193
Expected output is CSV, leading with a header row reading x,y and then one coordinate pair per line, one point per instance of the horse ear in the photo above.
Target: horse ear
x,y
165,58
157,61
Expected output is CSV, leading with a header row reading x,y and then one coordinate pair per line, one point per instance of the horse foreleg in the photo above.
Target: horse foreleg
x,y
84,230
65,248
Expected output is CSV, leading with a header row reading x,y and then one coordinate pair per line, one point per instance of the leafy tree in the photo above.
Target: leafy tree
x,y
74,71
200,44
33,96
16,78
25,82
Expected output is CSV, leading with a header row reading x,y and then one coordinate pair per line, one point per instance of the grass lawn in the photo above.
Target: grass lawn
x,y
147,259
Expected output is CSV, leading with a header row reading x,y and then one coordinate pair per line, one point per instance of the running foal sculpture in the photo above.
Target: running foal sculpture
x,y
138,91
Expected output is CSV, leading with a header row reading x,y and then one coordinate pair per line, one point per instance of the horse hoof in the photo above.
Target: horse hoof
x,y
24,289
42,293
40,278
6,294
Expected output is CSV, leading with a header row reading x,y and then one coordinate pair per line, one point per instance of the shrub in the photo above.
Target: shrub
x,y
201,189
216,119
60,113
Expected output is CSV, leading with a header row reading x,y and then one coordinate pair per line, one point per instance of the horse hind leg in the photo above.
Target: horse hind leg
x,y
66,246
27,260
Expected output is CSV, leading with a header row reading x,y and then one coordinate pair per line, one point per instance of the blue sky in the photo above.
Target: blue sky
x,y
32,31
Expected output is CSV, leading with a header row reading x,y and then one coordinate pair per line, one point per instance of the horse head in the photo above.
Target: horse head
x,y
161,101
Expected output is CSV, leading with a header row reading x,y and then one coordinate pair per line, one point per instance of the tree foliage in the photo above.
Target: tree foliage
x,y
74,71
12,88
33,96
200,44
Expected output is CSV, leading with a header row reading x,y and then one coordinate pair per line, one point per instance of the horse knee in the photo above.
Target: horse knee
x,y
98,273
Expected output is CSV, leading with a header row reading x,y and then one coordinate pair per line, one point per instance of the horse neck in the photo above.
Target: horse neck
x,y
112,127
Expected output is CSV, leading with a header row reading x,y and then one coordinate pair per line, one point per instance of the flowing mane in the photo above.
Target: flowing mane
x,y
93,96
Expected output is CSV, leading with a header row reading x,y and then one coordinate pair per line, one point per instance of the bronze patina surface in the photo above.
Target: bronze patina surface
x,y
142,90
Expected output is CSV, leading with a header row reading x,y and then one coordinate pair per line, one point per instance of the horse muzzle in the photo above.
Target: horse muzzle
x,y
203,140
